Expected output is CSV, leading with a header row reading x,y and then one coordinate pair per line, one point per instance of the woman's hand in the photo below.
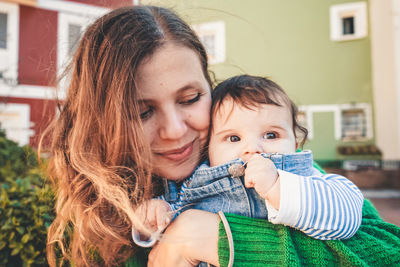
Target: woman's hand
x,y
191,238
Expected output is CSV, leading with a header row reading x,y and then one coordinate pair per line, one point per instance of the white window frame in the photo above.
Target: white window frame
x,y
366,108
70,13
309,110
217,29
63,57
31,91
357,10
64,20
20,131
72,7
11,52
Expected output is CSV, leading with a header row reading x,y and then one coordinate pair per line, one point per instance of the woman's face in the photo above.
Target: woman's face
x,y
174,101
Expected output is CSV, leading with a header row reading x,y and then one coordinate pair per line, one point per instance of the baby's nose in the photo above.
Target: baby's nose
x,y
250,149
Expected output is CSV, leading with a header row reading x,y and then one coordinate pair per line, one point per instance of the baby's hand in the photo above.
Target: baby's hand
x,y
155,215
261,174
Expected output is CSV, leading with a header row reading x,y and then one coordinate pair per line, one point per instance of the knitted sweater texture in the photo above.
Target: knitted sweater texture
x,y
260,243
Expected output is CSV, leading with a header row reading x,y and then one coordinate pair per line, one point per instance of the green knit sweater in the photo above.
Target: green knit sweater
x,y
260,243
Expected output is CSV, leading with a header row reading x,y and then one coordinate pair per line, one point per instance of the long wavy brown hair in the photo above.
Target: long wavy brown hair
x,y
100,165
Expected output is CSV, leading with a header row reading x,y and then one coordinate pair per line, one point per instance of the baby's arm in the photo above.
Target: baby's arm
x,y
322,206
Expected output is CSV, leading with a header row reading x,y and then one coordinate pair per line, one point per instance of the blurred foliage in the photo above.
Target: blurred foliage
x,y
26,206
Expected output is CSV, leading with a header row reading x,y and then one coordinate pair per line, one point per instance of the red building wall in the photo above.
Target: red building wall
x,y
37,59
105,3
37,46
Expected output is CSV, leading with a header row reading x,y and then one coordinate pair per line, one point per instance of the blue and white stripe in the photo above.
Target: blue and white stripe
x,y
330,206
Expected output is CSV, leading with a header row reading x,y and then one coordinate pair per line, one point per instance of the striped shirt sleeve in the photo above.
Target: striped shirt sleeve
x,y
324,207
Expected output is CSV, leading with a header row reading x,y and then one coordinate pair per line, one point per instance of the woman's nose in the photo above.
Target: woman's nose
x,y
173,126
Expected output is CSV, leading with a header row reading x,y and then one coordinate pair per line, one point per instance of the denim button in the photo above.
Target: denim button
x,y
236,170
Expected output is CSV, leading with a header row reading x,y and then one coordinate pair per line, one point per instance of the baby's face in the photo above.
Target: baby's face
x,y
239,132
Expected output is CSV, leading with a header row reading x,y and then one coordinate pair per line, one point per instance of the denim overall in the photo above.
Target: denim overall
x,y
213,189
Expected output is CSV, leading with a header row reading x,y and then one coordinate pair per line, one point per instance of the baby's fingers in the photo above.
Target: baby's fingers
x,y
151,217
248,181
164,216
258,160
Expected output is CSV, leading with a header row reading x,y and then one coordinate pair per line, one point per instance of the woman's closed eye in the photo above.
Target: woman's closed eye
x,y
146,114
270,135
190,99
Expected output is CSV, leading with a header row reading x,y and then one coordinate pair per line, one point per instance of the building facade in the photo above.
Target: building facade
x,y
37,38
339,60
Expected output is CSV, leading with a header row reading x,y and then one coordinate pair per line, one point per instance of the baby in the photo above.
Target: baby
x,y
254,170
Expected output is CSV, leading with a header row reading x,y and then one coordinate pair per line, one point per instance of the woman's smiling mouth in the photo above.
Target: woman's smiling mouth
x,y
177,154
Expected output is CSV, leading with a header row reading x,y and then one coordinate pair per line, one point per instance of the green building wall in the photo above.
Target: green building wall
x,y
289,41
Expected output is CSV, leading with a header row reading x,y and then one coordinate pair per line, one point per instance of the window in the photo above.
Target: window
x,y
15,120
74,34
348,25
8,43
70,29
212,35
348,21
354,125
3,30
209,43
353,122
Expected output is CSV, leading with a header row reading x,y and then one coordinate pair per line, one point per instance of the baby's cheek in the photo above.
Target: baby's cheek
x,y
289,147
213,156
213,153
221,154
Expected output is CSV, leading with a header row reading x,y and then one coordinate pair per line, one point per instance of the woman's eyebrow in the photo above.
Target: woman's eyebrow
x,y
189,86
144,101
182,90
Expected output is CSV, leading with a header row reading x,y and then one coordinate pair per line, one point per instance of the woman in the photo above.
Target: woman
x,y
137,109
137,112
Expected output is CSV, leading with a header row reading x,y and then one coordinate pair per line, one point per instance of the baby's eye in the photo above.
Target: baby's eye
x,y
233,138
269,135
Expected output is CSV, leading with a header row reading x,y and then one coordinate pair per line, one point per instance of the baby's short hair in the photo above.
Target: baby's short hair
x,y
253,91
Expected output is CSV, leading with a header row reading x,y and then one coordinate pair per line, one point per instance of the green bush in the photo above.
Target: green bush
x,y
26,206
